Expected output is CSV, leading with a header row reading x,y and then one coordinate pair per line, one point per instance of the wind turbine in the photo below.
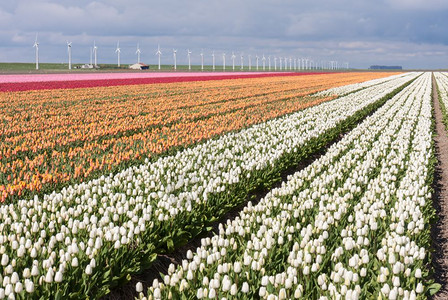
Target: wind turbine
x,y
138,52
242,61
250,62
264,62
159,53
36,45
118,51
233,61
175,59
275,63
189,59
95,51
69,50
224,61
269,62
295,64
256,59
290,63
213,58
280,61
202,60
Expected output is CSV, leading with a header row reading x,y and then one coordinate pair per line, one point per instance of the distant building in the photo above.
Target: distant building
x,y
87,66
139,66
386,67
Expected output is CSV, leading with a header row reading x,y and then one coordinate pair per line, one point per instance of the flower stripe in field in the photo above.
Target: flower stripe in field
x,y
91,235
350,88
14,83
442,85
352,225
49,139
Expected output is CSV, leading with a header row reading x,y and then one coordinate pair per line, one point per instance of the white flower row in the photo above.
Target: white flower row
x,y
442,83
53,243
350,88
348,226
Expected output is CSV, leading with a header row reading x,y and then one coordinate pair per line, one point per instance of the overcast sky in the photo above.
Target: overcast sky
x,y
411,33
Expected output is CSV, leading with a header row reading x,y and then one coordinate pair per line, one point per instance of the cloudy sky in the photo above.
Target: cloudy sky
x,y
411,33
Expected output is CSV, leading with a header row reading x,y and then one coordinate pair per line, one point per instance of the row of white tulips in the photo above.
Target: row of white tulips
x,y
352,225
442,84
80,240
350,88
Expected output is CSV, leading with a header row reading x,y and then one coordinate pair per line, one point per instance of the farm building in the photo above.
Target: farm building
x,y
139,66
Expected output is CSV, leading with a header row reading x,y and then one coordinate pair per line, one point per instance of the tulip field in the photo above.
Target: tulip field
x,y
50,138
97,182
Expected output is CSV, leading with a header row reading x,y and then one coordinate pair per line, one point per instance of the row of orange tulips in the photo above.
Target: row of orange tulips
x,y
49,138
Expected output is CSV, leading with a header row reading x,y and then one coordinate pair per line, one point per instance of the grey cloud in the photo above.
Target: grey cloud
x,y
411,32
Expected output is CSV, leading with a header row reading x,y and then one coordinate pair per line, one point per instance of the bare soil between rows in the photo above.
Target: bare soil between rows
x,y
440,200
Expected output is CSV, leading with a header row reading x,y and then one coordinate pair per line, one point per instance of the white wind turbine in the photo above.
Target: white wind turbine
x,y
263,59
275,63
256,59
202,60
233,61
242,61
280,61
189,59
69,50
159,53
138,52
213,60
224,61
175,59
250,62
290,63
118,51
36,45
269,62
95,51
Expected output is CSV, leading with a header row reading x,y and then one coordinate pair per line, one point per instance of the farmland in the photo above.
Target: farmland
x,y
98,182
53,138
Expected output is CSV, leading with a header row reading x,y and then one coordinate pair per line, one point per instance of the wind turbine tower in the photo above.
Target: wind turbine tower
x,y
280,61
224,61
256,59
275,63
118,51
242,61
95,51
36,45
213,60
189,59
175,59
264,62
202,60
69,50
138,52
159,53
250,62
233,61
269,62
